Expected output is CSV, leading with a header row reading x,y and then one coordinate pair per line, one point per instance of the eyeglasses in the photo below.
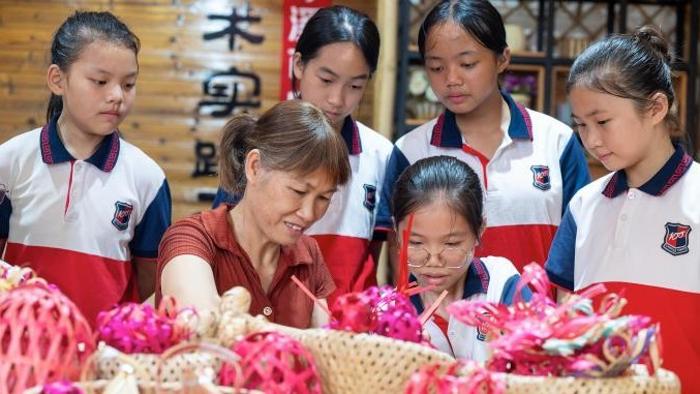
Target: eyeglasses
x,y
451,257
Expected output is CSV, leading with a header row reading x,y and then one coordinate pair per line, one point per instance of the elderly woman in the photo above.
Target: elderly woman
x,y
286,165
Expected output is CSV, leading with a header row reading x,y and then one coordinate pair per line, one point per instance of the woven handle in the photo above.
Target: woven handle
x,y
88,373
225,355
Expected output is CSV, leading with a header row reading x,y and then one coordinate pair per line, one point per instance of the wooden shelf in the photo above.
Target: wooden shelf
x,y
538,71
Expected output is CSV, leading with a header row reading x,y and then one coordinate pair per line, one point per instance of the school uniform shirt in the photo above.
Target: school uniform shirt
x,y
527,183
344,233
209,235
491,279
79,223
642,243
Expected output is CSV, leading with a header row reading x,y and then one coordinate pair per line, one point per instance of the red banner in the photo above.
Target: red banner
x,y
295,13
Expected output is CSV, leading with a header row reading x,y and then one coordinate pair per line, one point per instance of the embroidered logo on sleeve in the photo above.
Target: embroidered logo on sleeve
x,y
540,177
676,239
370,197
122,214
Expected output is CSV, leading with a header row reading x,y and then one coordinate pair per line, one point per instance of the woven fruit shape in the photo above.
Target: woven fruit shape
x,y
43,337
140,328
273,363
459,377
353,312
395,316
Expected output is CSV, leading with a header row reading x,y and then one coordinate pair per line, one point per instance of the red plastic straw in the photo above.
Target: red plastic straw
x,y
429,312
310,295
402,281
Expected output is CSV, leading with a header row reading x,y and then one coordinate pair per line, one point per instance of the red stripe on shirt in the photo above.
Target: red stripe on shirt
x,y
521,244
482,159
349,262
94,283
677,311
70,185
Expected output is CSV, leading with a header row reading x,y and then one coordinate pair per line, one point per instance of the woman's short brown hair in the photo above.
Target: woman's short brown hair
x,y
292,136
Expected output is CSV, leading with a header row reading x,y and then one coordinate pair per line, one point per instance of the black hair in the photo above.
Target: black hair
x,y
479,18
439,177
78,31
631,66
335,24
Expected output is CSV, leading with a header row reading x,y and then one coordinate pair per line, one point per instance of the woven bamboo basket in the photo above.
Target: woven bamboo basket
x,y
133,377
347,362
109,364
363,363
635,381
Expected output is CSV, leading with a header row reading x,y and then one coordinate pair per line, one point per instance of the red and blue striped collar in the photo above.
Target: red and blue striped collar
x,y
476,282
351,135
446,134
53,151
676,166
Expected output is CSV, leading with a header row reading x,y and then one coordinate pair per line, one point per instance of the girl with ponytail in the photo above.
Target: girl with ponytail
x,y
636,229
78,204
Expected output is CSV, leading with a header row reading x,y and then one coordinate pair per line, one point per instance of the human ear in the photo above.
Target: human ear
x,y
658,108
503,60
297,65
55,79
253,167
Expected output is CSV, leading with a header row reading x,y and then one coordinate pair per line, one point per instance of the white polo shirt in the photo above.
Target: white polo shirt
x,y
345,231
79,223
642,243
491,279
529,180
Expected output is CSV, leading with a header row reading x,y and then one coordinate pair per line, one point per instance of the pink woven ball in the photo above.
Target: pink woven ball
x,y
396,317
43,337
141,328
353,312
62,387
273,363
461,376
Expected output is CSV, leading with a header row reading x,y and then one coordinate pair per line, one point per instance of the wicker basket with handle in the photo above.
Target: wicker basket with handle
x,y
134,378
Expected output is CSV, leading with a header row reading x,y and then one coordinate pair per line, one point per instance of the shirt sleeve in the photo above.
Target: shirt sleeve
x,y
155,221
574,169
5,203
5,212
222,196
323,284
561,260
187,236
511,287
395,166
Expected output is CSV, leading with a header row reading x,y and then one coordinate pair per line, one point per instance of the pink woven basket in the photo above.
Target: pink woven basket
x,y
43,337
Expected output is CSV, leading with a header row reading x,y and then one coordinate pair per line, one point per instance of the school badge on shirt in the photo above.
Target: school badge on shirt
x,y
540,177
122,214
482,329
370,197
676,239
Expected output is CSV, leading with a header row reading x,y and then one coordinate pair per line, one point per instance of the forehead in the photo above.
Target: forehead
x,y
451,37
343,58
437,218
586,102
106,56
318,179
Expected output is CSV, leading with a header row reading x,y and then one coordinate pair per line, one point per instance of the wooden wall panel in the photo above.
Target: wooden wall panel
x,y
174,62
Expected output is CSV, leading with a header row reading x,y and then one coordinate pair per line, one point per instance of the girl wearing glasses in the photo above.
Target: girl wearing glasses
x,y
444,196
